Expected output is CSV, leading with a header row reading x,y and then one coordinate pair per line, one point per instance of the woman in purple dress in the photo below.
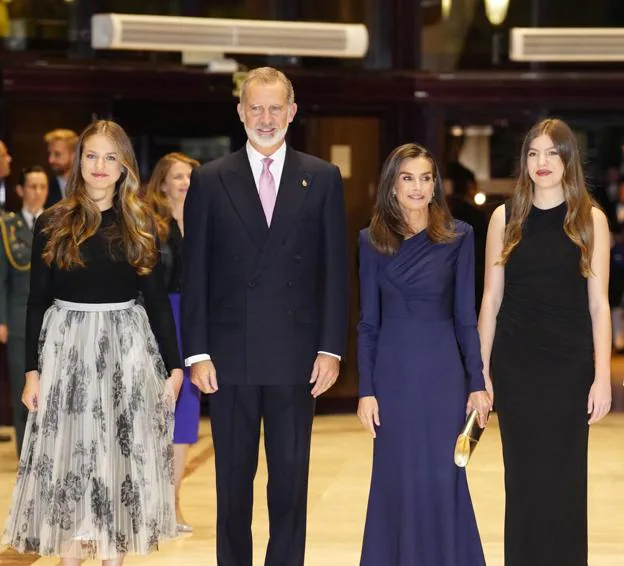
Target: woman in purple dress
x,y
166,192
420,369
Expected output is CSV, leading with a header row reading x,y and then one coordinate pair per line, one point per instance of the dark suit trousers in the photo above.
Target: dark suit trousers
x,y
17,353
236,412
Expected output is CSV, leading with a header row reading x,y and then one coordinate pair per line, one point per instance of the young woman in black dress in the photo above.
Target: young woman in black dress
x,y
546,343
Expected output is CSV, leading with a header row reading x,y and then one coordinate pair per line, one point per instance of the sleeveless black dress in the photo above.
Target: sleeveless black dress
x,y
542,368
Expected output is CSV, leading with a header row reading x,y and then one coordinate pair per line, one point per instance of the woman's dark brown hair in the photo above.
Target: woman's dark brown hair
x,y
578,224
389,227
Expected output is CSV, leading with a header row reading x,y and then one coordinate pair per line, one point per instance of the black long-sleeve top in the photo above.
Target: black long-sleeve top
x,y
171,257
104,279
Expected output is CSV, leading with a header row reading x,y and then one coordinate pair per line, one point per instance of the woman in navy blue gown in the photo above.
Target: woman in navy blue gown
x,y
420,369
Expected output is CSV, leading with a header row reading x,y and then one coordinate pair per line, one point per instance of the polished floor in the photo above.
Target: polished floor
x,y
340,472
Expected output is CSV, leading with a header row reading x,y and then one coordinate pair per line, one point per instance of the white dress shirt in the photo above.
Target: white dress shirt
x,y
276,169
30,218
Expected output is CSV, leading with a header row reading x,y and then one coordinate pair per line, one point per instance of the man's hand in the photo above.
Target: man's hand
x,y
324,373
204,376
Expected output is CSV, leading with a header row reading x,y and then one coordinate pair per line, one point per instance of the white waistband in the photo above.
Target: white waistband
x,y
94,307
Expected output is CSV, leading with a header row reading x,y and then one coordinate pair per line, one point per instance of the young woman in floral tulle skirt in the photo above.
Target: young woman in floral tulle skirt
x,y
95,478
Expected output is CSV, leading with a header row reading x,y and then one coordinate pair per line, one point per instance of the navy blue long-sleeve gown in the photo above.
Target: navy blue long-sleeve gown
x,y
419,355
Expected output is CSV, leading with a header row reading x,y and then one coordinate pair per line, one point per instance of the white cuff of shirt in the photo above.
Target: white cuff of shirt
x,y
330,354
203,357
194,359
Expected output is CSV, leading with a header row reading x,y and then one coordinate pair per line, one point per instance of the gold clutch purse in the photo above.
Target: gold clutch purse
x,y
467,440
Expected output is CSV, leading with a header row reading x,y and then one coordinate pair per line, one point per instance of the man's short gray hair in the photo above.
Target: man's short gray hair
x,y
268,75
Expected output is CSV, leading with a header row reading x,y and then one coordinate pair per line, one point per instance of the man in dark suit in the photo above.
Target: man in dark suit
x,y
463,207
264,314
16,231
607,195
61,145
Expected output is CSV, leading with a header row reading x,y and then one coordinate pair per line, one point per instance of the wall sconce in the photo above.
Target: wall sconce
x,y
457,131
446,8
479,199
496,11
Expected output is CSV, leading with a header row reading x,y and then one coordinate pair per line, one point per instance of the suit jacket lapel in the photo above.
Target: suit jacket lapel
x,y
291,195
241,189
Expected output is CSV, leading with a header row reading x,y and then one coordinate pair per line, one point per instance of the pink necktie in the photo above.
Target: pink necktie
x,y
267,191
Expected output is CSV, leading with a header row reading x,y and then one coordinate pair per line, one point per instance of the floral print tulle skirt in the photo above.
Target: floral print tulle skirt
x,y
95,478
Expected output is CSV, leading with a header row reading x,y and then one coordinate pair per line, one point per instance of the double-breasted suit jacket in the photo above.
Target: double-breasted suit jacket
x,y
263,301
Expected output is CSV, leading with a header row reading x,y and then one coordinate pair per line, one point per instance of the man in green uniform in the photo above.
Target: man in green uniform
x,y
16,231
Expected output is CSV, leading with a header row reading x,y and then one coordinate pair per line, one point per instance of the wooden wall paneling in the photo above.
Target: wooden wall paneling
x,y
359,137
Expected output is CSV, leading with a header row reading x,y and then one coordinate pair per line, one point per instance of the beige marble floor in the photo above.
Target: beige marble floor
x,y
340,472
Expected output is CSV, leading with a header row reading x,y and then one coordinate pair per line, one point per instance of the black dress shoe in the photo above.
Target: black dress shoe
x,y
5,438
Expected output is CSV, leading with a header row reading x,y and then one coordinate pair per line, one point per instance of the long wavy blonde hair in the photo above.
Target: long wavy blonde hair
x,y
156,198
578,224
76,218
388,227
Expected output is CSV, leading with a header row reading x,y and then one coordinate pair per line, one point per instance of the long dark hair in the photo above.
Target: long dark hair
x,y
388,227
578,224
